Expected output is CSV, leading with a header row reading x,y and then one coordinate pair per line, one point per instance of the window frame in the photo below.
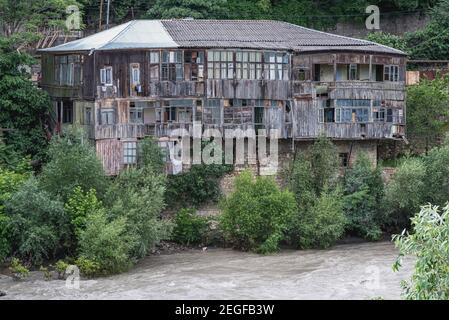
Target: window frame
x,y
129,158
104,76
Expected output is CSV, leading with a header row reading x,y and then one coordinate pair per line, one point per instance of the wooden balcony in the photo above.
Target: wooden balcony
x,y
176,89
249,89
352,131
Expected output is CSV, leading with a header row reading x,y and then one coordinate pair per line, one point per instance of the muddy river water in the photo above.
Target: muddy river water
x,y
351,271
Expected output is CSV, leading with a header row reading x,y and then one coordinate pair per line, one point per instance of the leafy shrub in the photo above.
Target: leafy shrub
x,y
428,243
61,267
106,243
405,192
18,270
10,181
73,162
199,185
324,164
319,220
38,225
363,199
257,214
138,196
79,206
189,228
5,244
320,225
151,156
437,175
46,272
88,267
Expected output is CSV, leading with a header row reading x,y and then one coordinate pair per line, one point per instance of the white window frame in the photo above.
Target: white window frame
x,y
104,76
391,73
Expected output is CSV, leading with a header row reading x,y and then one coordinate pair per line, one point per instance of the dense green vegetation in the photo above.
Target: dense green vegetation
x,y
430,42
320,219
427,113
257,214
24,108
58,213
427,242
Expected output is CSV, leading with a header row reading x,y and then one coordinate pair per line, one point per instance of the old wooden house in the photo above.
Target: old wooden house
x,y
148,77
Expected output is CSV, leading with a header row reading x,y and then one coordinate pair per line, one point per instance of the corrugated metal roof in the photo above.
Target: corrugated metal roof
x,y
252,34
136,34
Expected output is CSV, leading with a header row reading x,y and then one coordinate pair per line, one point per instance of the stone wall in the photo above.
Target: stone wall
x,y
395,24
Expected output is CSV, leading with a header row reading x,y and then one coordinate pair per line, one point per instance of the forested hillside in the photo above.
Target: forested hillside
x,y
314,13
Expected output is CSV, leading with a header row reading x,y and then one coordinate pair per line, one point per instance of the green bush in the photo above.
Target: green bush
x,y
5,243
363,201
18,270
189,227
73,162
105,243
405,193
79,206
151,156
138,196
46,272
325,163
322,224
437,175
38,226
319,220
428,243
257,214
200,184
61,267
88,268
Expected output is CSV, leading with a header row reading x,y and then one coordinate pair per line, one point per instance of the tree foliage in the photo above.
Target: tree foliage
x,y
427,112
257,214
38,225
363,201
189,227
72,162
24,109
106,243
428,243
320,220
198,9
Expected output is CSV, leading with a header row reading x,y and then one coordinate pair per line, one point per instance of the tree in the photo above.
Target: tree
x,y
389,40
405,192
198,9
428,243
137,195
106,243
432,42
427,112
323,223
24,109
363,187
72,162
320,219
21,20
324,163
38,225
437,175
257,214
